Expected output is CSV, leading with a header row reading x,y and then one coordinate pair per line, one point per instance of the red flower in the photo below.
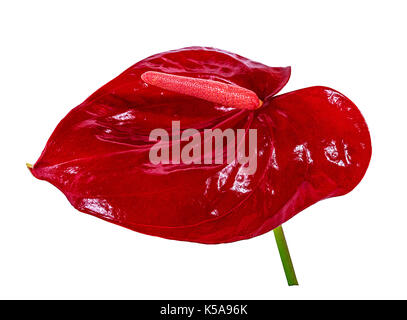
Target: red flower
x,y
313,144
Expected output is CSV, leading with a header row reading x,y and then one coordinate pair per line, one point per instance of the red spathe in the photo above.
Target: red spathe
x,y
313,144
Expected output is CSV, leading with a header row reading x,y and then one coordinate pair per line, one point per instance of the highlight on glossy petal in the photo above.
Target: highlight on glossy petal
x,y
214,91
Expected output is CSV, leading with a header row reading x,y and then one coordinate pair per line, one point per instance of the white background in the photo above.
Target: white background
x,y
54,55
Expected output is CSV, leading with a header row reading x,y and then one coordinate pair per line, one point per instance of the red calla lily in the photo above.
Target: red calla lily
x,y
313,144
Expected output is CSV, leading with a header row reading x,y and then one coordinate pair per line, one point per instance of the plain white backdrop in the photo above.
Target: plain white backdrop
x,y
54,54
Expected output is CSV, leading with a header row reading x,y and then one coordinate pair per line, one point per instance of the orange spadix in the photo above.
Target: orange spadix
x,y
225,94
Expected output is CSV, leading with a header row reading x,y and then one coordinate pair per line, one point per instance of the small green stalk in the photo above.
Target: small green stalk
x,y
285,256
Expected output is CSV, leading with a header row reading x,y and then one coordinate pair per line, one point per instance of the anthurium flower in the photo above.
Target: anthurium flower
x,y
312,144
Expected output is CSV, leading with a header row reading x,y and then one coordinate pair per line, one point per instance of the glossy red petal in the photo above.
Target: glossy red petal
x,y
312,144
315,144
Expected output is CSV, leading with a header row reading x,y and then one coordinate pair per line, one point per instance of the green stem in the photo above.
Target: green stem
x,y
285,256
